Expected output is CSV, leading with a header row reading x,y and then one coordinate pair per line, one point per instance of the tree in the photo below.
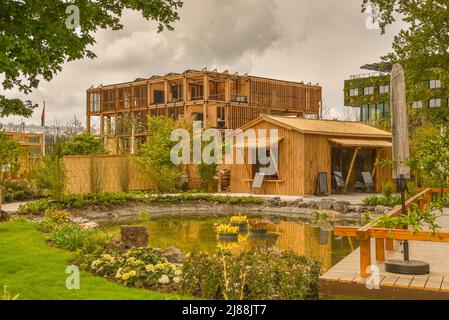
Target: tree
x,y
50,175
38,37
154,155
431,156
82,145
423,46
9,151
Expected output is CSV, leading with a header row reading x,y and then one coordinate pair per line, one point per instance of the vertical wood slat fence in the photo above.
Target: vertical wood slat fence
x,y
110,171
384,237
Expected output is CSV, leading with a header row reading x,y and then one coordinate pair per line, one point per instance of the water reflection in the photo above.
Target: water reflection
x,y
294,235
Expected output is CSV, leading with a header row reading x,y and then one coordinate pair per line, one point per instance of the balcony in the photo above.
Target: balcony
x,y
217,97
176,100
239,98
196,98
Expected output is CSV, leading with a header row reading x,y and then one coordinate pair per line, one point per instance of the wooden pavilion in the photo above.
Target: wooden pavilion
x,y
308,149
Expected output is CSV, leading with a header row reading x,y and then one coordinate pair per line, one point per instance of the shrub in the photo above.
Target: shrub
x,y
382,201
257,275
68,236
50,175
53,219
17,191
116,198
95,241
138,267
388,189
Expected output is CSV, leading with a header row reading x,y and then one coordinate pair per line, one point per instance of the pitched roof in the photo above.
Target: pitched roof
x,y
325,127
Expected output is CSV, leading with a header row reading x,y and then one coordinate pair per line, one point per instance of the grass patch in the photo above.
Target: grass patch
x,y
35,270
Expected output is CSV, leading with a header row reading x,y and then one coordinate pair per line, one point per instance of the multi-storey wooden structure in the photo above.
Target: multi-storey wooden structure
x,y
220,100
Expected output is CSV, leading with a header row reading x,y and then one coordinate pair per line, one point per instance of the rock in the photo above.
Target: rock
x,y
358,209
379,210
283,204
3,216
173,255
326,204
313,204
78,220
134,236
98,216
341,206
89,225
275,202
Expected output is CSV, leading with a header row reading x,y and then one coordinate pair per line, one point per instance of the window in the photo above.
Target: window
x,y
94,102
158,97
417,105
124,96
196,92
109,100
368,91
435,84
353,92
176,93
384,89
364,113
221,121
256,167
140,96
435,103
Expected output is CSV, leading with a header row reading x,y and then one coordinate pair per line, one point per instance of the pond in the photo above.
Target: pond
x,y
297,235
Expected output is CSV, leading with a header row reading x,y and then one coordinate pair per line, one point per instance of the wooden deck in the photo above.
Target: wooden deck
x,y
343,279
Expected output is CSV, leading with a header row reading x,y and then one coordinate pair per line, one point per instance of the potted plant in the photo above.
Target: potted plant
x,y
258,228
227,232
240,221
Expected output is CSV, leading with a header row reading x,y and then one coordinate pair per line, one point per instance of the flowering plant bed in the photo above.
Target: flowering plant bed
x,y
227,232
258,227
240,221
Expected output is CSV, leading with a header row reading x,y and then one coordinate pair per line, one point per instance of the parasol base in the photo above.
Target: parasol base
x,y
410,267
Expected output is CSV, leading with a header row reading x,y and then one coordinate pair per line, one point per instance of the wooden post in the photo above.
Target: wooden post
x,y
351,167
380,250
421,204
365,257
389,244
429,197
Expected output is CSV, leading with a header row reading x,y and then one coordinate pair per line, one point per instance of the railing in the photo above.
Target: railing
x,y
196,98
217,97
369,75
384,237
239,98
176,100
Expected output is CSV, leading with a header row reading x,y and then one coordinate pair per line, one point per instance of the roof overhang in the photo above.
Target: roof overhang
x,y
360,143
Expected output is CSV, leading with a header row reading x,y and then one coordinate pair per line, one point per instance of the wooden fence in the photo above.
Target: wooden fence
x,y
109,173
384,237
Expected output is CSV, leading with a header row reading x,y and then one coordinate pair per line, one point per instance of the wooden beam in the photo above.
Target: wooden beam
x,y
399,234
365,257
380,250
389,244
351,167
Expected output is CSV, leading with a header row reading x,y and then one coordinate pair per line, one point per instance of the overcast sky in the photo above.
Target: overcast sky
x,y
301,40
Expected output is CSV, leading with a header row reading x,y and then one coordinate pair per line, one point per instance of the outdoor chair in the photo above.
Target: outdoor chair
x,y
339,180
368,182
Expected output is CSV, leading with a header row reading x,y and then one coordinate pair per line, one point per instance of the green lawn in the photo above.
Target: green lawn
x,y
36,270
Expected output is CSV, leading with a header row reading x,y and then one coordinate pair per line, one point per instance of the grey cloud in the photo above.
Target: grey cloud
x,y
317,41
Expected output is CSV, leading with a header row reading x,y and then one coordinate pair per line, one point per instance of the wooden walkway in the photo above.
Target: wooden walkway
x,y
343,279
